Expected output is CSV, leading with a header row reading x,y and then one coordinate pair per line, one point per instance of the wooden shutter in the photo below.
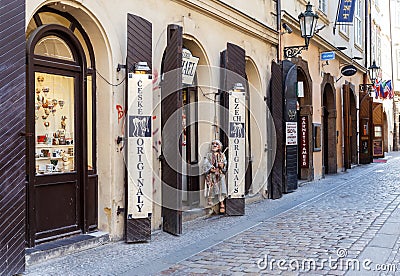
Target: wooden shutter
x,y
171,102
290,115
365,128
275,105
233,60
346,126
12,125
139,48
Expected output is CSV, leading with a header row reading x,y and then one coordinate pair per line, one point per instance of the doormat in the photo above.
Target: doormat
x,y
380,160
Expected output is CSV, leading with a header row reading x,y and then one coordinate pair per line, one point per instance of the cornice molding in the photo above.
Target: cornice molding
x,y
223,13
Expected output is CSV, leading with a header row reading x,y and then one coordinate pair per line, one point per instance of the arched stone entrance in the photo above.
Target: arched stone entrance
x,y
61,154
305,111
329,136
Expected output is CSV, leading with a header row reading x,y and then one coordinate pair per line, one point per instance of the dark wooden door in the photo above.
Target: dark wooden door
x,y
139,49
275,105
56,197
290,116
57,147
346,127
233,60
12,125
171,125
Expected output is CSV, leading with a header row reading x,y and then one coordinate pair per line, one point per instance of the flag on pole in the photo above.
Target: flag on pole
x,y
383,89
389,89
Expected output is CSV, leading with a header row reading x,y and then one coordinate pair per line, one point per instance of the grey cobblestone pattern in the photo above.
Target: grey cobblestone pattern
x,y
344,211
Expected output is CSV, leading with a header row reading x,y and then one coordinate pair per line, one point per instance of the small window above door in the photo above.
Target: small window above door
x,y
53,46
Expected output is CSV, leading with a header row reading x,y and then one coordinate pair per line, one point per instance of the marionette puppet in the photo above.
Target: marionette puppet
x,y
214,168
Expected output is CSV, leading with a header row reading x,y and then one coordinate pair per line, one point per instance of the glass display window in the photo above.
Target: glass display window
x,y
54,123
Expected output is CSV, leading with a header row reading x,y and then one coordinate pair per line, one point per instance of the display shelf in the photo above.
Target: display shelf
x,y
53,146
48,158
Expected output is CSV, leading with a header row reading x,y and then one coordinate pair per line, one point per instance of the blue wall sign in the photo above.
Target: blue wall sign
x,y
327,56
346,11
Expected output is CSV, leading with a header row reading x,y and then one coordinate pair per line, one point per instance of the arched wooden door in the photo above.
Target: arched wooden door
x,y
61,198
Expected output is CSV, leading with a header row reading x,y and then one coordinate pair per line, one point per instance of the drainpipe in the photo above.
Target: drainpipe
x,y
391,64
278,28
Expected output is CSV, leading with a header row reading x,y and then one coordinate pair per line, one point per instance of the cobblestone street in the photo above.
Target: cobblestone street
x,y
347,223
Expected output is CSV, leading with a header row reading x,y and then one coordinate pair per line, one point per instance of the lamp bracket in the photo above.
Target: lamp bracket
x,y
366,87
293,51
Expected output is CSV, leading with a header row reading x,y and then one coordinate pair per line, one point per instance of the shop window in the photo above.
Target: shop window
x,y
317,137
54,123
378,131
53,46
53,18
90,136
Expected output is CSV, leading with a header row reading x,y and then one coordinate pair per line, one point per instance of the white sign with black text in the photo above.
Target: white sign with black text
x,y
189,65
237,145
291,133
139,159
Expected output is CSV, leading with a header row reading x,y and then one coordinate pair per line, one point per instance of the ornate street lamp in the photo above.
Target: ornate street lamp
x,y
308,22
373,72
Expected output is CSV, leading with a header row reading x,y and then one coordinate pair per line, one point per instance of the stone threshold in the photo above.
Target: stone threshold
x,y
62,247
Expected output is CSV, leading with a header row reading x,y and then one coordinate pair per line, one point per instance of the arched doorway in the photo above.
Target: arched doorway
x,y
353,128
385,133
305,162
254,132
183,138
61,148
329,136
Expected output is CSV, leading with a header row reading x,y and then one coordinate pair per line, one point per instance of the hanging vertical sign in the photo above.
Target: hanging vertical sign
x,y
139,157
304,153
345,13
237,145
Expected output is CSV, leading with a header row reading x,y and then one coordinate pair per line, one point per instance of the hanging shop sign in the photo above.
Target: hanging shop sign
x,y
237,145
345,13
291,133
348,70
189,66
139,157
304,149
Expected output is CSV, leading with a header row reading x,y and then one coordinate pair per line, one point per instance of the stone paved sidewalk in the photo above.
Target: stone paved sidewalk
x,y
356,224
354,214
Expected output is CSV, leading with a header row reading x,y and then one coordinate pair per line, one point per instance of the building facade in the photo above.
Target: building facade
x,y
121,104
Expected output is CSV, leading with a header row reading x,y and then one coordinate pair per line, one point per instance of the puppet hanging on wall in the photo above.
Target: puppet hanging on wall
x,y
214,168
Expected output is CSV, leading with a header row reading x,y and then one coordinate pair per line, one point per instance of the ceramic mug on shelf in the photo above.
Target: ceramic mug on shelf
x,y
50,168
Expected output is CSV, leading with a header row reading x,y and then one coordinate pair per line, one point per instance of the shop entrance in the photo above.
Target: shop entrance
x,y
189,150
62,181
329,136
305,164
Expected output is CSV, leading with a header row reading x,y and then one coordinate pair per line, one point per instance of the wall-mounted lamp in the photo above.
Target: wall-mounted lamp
x,y
238,87
141,67
308,21
373,71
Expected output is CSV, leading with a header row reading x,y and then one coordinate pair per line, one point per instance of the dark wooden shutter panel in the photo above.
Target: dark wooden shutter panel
x,y
233,60
290,115
139,42
275,105
139,48
12,124
346,126
171,102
